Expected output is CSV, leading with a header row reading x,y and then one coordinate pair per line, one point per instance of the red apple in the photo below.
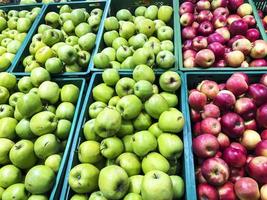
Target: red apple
x,y
247,188
200,178
210,110
215,171
205,28
259,63
204,15
197,100
261,15
264,135
219,21
189,53
207,192
187,44
263,79
239,146
218,3
188,33
224,31
232,125
243,45
234,157
226,192
222,86
197,129
220,63
195,25
233,39
225,100
263,192
238,27
199,42
259,49
250,20
253,34
234,58
190,62
237,85
211,126
257,168
186,19
262,115
221,11
216,37
209,88
205,58
234,4
261,148
223,140
243,75
186,7
203,5
236,173
205,145
246,108
233,17
195,115
218,50
251,124
249,158
258,92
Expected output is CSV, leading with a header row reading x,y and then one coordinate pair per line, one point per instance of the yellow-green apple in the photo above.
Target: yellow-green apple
x,y
16,191
5,147
9,175
111,147
143,142
155,161
130,163
175,120
135,184
46,145
129,106
7,127
92,156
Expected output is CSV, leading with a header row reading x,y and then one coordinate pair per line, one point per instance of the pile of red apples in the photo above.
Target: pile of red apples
x,y
230,138
220,33
263,16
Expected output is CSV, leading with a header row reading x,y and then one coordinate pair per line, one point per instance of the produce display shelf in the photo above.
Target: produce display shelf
x,y
180,45
81,84
187,170
192,79
131,5
30,32
103,4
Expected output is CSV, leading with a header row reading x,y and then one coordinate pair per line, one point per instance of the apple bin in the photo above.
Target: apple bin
x,y
133,38
220,35
227,133
261,6
78,64
96,79
59,176
18,48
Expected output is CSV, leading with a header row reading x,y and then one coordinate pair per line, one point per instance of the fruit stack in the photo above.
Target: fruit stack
x,y
143,38
230,144
130,144
14,25
220,33
263,15
64,41
36,117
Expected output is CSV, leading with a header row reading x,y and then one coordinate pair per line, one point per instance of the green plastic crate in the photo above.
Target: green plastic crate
x,y
131,5
81,84
187,170
29,34
260,5
103,4
192,79
180,45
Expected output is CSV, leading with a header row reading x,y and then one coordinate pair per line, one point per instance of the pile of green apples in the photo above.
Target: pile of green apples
x,y
131,147
64,42
35,121
14,26
145,38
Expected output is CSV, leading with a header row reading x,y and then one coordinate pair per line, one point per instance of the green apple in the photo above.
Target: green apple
x,y
171,98
12,33
101,60
155,130
29,104
2,50
170,81
118,42
13,46
110,77
130,163
3,24
22,154
17,114
128,63
49,91
115,65
7,80
7,127
43,123
140,11
171,121
157,185
79,197
53,65
125,86
114,100
124,15
111,147
32,66
9,56
127,29
9,175
143,142
137,41
51,37
77,16
83,178
83,58
146,26
143,89
23,129
32,15
165,33
156,105
63,129
43,54
142,121
5,146
109,37
69,93
46,145
15,191
165,59
107,123
20,37
12,23
38,197
1,191
39,75
6,111
82,29
144,56
67,54
68,26
65,110
28,60
159,23
87,41
111,23
23,24
178,187
132,196
143,72
135,184
95,108
73,67
165,13
155,161
88,131
48,107
13,99
127,128
63,17
128,143
118,183
94,21
25,84
129,107
151,12
65,9
52,19
4,63
39,179
123,52
154,46
167,45
43,27
97,196
89,152
110,52
103,92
